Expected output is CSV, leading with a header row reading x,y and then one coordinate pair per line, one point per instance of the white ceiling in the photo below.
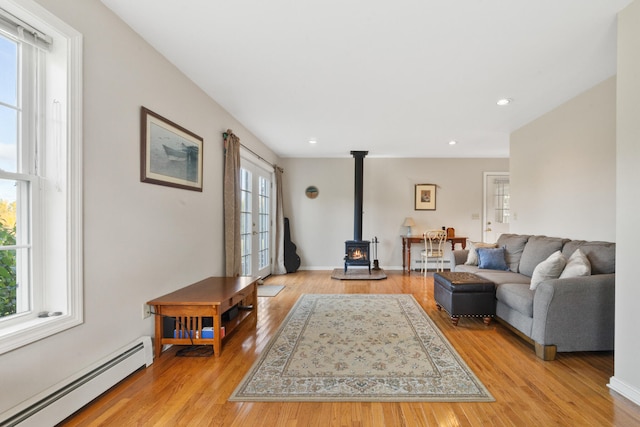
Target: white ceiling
x,y
397,78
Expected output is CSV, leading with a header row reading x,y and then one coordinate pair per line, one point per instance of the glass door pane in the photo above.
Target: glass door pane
x,y
256,221
497,212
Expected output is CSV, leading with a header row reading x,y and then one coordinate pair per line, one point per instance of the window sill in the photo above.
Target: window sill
x,y
21,334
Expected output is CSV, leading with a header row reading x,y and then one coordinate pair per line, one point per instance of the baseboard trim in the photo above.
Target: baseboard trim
x,y
625,390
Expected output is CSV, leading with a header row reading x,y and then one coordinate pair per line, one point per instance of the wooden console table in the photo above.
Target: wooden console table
x,y
408,240
210,298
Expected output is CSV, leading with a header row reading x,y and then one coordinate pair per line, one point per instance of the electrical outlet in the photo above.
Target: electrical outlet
x,y
146,311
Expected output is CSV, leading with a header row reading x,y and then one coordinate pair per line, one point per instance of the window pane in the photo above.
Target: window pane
x,y
8,71
264,215
8,206
11,302
9,111
8,282
502,199
8,139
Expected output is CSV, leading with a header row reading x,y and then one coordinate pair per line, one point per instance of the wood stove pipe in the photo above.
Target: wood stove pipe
x,y
357,205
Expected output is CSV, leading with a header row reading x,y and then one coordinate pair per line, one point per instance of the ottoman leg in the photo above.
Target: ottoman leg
x,y
438,306
454,320
487,320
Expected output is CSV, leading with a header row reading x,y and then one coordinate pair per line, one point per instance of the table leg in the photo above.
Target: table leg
x,y
157,342
453,241
217,339
404,254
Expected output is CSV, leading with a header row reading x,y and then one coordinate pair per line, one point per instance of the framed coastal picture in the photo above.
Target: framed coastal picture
x,y
425,197
169,154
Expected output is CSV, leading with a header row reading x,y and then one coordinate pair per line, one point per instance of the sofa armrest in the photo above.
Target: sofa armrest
x,y
575,314
457,257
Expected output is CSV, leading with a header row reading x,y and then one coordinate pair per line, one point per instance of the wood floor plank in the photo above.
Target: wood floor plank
x,y
183,391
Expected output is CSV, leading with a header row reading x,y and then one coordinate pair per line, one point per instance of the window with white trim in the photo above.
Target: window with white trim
x,y
40,174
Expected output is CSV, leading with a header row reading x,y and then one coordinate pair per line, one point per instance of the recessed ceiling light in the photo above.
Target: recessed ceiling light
x,y
504,101
313,141
453,142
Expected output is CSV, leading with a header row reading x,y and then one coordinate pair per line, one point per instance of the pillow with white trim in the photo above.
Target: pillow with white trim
x,y
472,256
550,268
577,265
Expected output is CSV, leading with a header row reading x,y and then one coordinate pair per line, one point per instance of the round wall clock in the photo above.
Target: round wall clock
x,y
311,191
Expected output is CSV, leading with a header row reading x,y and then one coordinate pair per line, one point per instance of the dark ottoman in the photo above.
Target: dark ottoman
x,y
464,294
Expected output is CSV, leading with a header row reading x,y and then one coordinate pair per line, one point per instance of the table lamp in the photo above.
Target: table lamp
x,y
408,222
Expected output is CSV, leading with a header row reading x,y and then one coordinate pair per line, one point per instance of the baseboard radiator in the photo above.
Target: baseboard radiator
x,y
63,399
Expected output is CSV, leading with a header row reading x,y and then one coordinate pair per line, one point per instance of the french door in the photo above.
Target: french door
x,y
496,212
255,219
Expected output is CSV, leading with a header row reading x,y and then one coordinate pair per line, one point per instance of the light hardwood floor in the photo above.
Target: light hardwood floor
x,y
185,391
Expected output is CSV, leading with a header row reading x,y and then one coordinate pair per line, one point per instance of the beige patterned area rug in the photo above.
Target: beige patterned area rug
x,y
363,347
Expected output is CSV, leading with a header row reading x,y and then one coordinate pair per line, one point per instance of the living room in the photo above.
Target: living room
x,y
573,174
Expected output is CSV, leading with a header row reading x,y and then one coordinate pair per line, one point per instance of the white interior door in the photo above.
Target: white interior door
x,y
496,212
255,219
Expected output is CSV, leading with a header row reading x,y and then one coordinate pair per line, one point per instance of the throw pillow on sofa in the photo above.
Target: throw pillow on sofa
x,y
472,256
492,259
577,265
550,268
513,247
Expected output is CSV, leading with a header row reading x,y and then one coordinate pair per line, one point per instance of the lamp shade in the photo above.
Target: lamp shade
x,y
408,222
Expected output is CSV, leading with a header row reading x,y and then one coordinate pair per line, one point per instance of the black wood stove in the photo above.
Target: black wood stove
x,y
357,250
357,254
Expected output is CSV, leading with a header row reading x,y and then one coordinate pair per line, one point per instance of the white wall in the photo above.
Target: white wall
x,y
563,169
140,240
319,227
627,342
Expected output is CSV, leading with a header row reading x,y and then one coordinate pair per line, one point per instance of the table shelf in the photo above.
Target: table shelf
x,y
232,324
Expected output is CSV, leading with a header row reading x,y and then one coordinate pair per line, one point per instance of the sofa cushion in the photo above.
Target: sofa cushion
x,y
492,259
601,255
472,256
467,268
500,277
537,249
513,246
517,296
550,268
496,276
577,265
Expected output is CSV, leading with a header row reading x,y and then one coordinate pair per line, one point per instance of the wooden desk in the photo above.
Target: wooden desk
x,y
210,297
408,240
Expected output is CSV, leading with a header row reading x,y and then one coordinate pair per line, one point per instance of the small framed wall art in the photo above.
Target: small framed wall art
x,y
169,154
425,197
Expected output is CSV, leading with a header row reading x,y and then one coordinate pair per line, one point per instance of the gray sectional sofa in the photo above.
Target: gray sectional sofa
x,y
560,314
